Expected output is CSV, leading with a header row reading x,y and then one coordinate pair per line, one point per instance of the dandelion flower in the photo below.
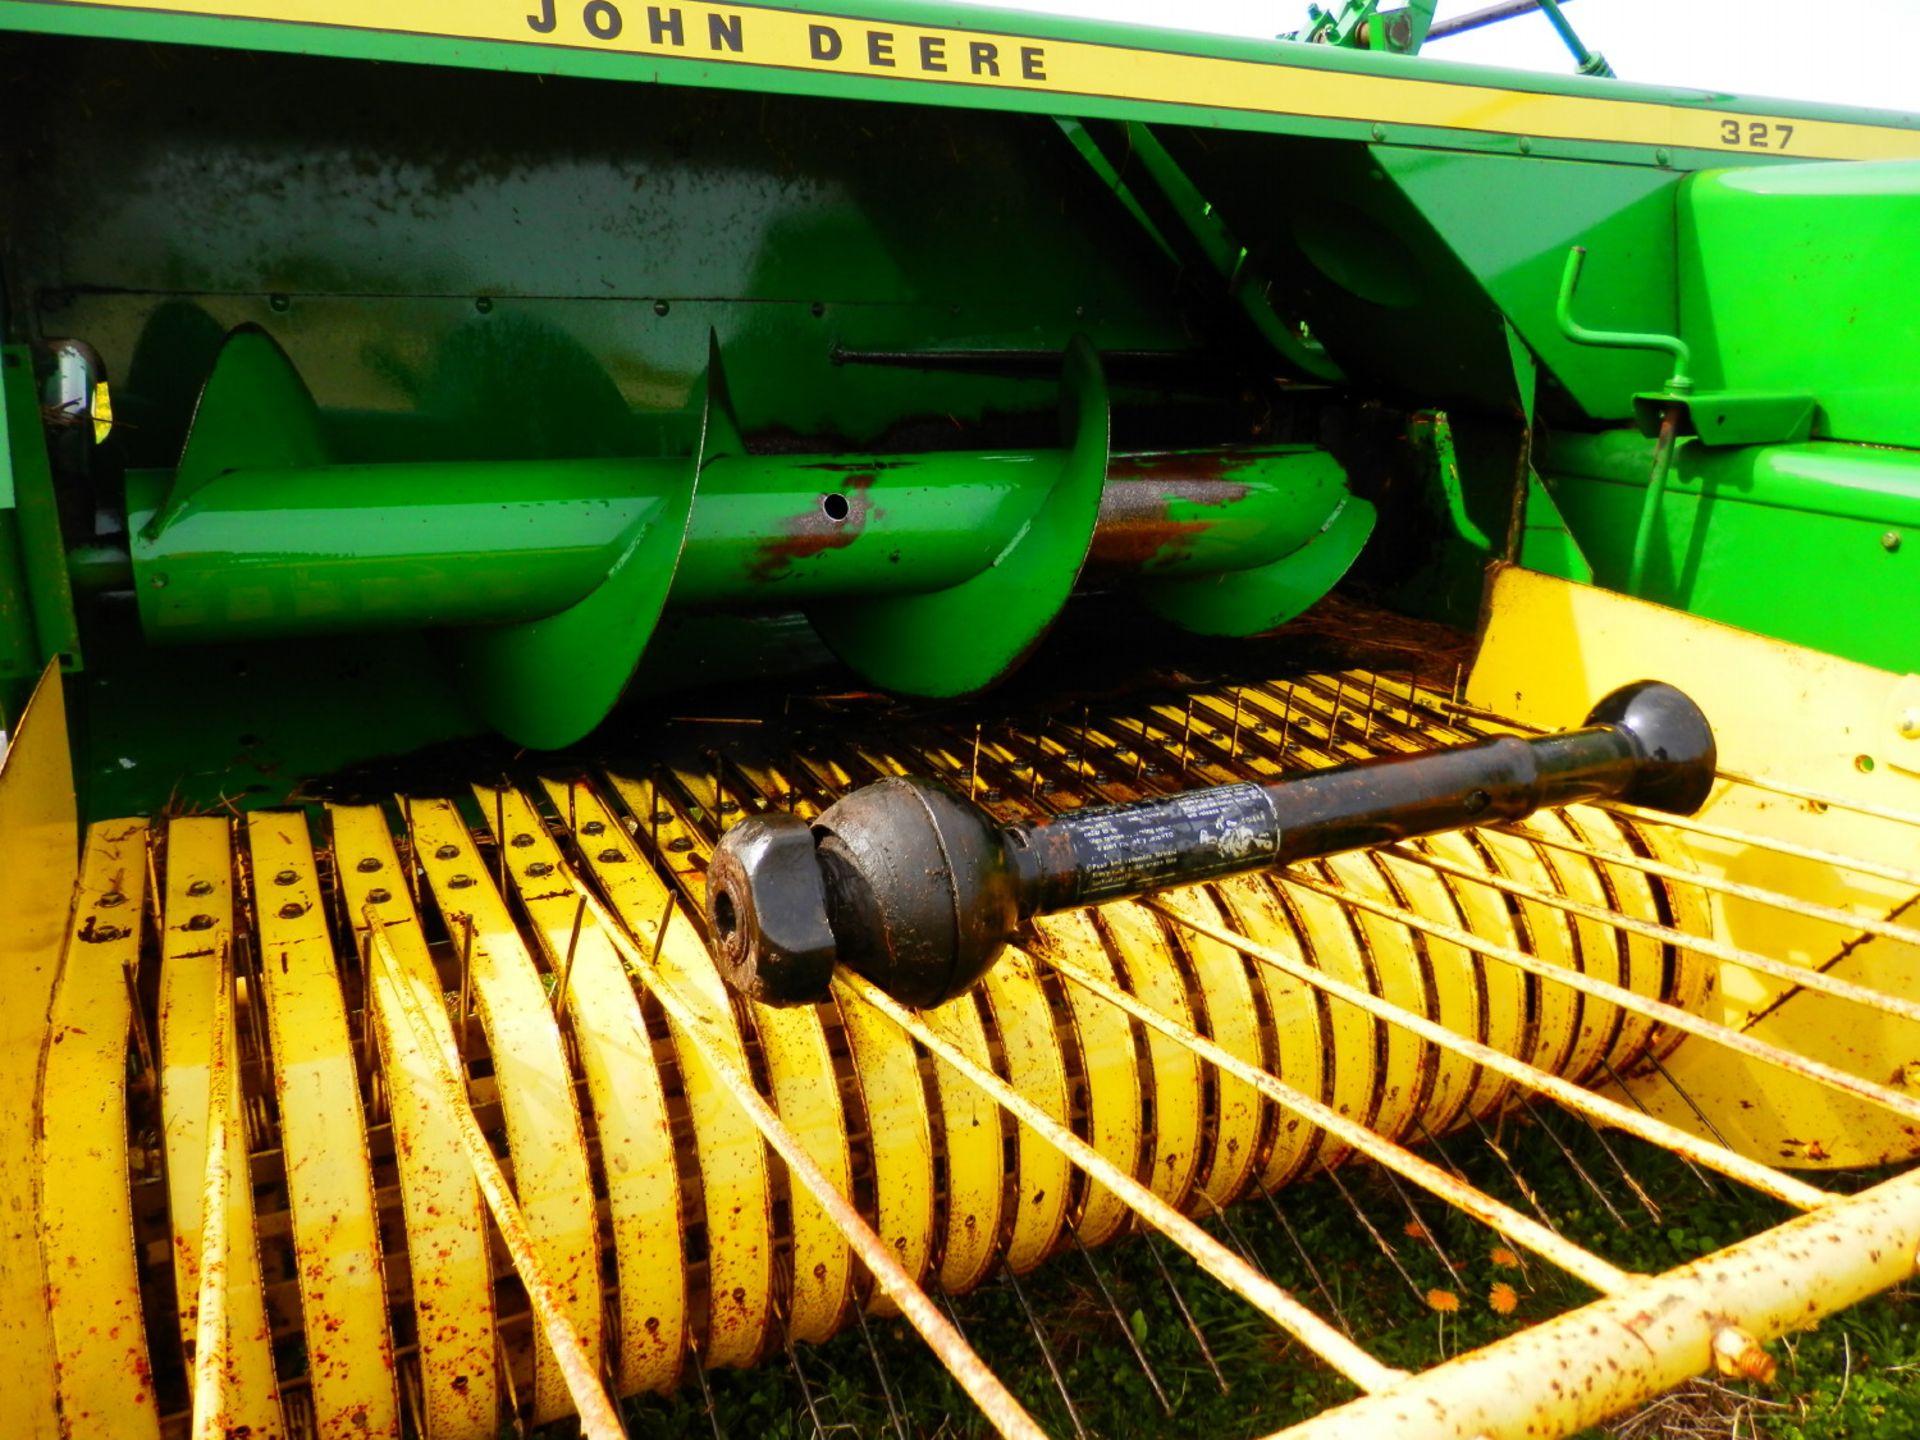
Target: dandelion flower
x,y
1502,1298
1505,1258
1445,1301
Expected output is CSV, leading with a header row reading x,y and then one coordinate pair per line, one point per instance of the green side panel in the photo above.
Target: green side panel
x,y
1816,543
1807,280
1511,222
41,549
1546,543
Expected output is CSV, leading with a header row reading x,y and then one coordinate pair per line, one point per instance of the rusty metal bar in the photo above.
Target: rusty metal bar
x,y
1598,1273
1720,885
1233,1272
1801,975
599,1419
1626,999
1717,1157
983,1387
1857,864
1608,1355
1821,797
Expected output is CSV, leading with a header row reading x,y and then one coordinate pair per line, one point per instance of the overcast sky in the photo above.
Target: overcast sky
x,y
1856,52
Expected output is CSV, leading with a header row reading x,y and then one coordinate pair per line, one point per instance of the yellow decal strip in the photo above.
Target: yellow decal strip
x,y
954,57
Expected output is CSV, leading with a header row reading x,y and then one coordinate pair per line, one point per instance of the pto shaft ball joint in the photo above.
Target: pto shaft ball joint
x,y
919,889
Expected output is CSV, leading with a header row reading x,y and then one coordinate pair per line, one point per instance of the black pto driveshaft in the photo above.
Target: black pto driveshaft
x,y
919,889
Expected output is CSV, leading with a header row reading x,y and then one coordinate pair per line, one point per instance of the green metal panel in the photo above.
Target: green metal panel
x,y
1510,223
41,552
1817,543
1807,280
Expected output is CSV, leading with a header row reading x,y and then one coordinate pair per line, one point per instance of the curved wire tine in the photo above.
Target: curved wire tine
x,y
1800,975
1120,1319
1717,1157
1859,865
1602,1276
1639,1004
1186,1315
1370,1374
1046,1352
1720,885
983,1387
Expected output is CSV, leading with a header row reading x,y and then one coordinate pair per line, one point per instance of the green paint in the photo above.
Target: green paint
x,y
1813,543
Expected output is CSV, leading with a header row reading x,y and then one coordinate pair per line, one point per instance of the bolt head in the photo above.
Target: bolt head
x,y
767,911
1890,541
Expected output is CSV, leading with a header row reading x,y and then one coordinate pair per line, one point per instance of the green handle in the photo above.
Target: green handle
x,y
1679,383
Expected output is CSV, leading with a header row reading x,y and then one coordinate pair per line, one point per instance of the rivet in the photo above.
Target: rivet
x,y
199,922
1663,156
368,864
663,817
521,841
1379,132
447,852
1910,722
483,304
158,581
200,887
1890,541
611,856
594,827
1526,146
292,910
659,307
377,896
111,899
459,882
286,877
280,303
728,807
539,868
679,844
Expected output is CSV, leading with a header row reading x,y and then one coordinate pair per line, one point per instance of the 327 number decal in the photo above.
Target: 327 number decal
x,y
1755,134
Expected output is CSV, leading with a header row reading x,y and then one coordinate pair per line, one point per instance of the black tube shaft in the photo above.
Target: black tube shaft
x,y
1117,851
919,889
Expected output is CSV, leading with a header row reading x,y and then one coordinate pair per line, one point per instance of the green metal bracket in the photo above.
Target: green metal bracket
x,y
1182,222
1731,417
1363,25
1431,430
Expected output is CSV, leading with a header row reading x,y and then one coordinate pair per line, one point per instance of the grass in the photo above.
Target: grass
x,y
1852,1378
